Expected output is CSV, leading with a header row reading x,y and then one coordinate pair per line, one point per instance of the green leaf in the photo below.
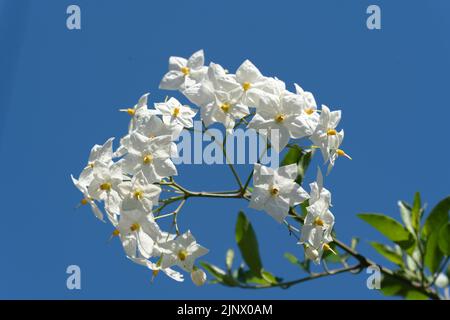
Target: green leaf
x,y
444,239
433,255
248,244
305,265
291,258
266,275
299,156
391,286
292,156
229,258
303,165
213,270
388,253
219,275
391,229
405,213
437,217
416,212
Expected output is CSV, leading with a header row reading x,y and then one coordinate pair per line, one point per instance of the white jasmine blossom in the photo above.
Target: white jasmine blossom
x,y
184,73
276,190
184,250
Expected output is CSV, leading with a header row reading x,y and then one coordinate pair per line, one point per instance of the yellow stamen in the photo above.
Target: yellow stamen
x,y
147,159
176,112
327,247
115,233
105,186
138,194
318,222
131,111
90,165
274,191
225,107
84,201
309,111
246,86
280,117
155,273
331,132
185,70
135,227
182,255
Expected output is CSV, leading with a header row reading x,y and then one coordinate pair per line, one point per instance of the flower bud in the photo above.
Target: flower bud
x,y
198,277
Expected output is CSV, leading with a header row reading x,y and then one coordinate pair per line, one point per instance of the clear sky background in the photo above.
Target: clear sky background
x,y
60,91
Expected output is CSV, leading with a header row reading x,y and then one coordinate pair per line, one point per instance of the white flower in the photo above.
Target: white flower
x,y
310,116
319,221
184,73
326,136
175,275
140,226
151,155
152,127
224,109
174,113
335,153
276,190
312,254
318,225
198,277
87,199
318,192
184,250
280,113
138,193
139,111
99,153
254,84
104,186
216,80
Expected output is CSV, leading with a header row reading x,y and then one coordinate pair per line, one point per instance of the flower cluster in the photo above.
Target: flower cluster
x,y
128,180
131,186
281,115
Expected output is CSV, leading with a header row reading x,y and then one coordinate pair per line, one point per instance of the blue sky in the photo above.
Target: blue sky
x,y
60,91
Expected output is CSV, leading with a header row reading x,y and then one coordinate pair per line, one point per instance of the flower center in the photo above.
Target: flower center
x,y
326,247
182,254
105,186
331,132
185,70
318,222
135,226
84,201
138,194
280,117
274,191
148,158
131,112
309,111
246,85
225,107
176,112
